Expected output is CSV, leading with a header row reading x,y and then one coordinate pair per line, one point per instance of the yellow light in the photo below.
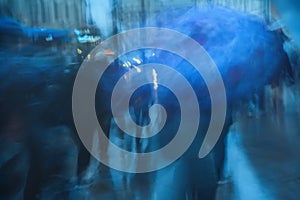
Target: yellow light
x,y
79,51
109,52
139,70
138,61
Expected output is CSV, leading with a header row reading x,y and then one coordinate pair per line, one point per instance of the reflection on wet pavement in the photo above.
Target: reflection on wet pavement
x,y
263,153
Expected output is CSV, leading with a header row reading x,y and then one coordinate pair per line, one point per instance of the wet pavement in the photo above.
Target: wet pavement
x,y
263,152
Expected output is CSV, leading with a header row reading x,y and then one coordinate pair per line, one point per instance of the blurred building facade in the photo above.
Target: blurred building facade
x,y
63,14
128,14
111,16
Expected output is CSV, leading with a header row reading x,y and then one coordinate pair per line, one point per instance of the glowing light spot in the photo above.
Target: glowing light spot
x,y
125,65
137,60
153,54
139,70
79,51
109,52
155,83
128,63
89,56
